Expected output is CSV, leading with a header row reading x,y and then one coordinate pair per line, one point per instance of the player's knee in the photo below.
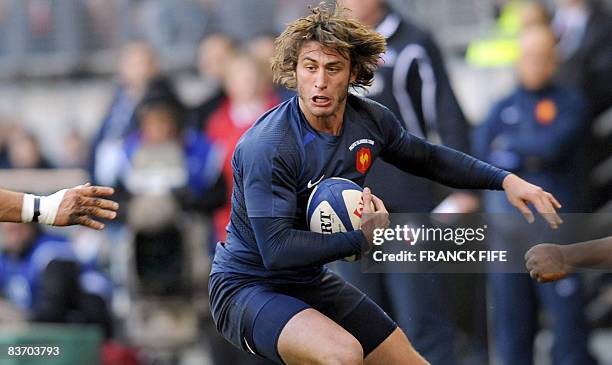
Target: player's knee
x,y
345,351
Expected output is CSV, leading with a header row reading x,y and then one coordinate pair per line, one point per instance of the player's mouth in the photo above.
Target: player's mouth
x,y
321,101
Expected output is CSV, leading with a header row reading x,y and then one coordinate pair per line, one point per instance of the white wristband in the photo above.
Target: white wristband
x,y
27,208
49,205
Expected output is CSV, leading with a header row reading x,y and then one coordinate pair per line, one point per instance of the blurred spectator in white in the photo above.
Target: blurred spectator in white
x,y
41,276
249,95
213,54
24,151
535,133
137,67
584,30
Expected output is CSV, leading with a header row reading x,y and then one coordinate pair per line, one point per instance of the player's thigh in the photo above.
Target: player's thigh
x,y
395,350
350,309
312,338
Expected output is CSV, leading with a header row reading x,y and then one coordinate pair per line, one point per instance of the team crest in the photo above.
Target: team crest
x,y
364,159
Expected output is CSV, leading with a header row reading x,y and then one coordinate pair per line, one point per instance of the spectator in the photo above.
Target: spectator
x,y
24,152
167,169
213,54
584,30
249,95
74,152
165,156
412,82
535,132
137,67
40,275
534,13
262,49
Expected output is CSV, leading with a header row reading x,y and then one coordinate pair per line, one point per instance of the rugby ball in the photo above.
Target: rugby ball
x,y
335,205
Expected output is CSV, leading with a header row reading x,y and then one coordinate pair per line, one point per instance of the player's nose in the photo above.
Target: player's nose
x,y
321,79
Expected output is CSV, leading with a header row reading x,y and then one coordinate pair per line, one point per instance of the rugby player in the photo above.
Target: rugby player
x,y
270,293
78,205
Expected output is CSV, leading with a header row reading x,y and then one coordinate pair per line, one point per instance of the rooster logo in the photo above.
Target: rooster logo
x,y
364,159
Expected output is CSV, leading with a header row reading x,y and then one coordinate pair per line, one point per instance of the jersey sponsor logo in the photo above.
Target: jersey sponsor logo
x,y
361,141
364,159
545,111
312,184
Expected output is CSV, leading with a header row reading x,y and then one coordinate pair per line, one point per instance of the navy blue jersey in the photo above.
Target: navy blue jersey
x,y
281,158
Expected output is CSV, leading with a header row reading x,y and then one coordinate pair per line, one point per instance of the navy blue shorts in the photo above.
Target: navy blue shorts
x,y
251,313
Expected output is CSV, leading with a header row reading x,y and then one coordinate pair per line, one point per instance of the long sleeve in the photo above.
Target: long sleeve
x,y
283,247
439,163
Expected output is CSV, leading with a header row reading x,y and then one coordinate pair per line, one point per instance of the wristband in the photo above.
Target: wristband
x,y
27,208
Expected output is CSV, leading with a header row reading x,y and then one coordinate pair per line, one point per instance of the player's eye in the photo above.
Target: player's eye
x,y
310,68
334,69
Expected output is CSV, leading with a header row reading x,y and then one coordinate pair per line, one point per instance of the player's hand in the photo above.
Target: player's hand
x,y
519,192
373,218
546,262
83,203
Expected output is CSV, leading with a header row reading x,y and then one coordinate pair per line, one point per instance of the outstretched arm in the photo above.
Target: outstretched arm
x,y
456,169
10,206
549,262
79,205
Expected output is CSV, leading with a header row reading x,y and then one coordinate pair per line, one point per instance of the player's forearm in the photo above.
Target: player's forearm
x,y
10,206
446,166
459,170
282,247
595,254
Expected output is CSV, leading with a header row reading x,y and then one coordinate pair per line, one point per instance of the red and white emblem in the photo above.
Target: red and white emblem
x,y
364,159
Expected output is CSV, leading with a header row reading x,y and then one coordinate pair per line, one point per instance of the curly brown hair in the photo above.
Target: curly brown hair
x,y
353,40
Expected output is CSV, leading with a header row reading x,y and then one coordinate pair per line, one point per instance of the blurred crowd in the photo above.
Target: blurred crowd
x,y
143,281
